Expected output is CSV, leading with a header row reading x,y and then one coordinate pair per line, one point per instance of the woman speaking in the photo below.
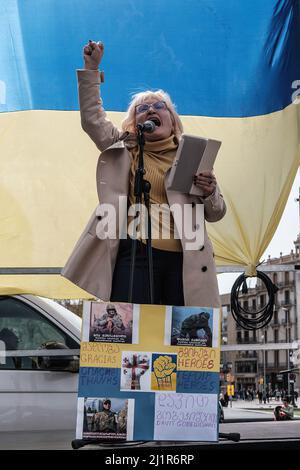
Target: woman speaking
x,y
101,265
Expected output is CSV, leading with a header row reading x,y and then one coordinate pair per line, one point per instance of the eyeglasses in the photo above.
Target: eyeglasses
x,y
144,107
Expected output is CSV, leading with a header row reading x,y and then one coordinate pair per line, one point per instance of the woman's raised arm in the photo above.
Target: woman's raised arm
x,y
93,117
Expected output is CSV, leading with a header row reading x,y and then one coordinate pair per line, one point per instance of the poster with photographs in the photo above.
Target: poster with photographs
x,y
148,372
105,418
192,326
113,323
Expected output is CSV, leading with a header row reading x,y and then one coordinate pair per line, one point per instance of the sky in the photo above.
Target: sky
x,y
283,239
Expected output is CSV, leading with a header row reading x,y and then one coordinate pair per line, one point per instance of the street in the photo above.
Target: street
x,y
258,426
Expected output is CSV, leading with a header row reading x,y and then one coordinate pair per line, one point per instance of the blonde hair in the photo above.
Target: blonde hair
x,y
128,124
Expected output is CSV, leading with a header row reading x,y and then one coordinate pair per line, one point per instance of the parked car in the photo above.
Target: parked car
x,y
39,363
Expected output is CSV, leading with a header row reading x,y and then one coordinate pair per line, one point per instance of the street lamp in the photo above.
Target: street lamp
x,y
263,337
287,313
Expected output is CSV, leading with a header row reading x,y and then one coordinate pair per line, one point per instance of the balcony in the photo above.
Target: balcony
x,y
287,303
246,341
271,367
261,306
248,375
260,287
282,284
246,356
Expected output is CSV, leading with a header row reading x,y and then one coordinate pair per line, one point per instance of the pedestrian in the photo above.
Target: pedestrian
x,y
284,412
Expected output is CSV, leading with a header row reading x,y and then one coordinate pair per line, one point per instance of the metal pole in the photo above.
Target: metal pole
x,y
298,200
287,313
265,371
264,366
288,374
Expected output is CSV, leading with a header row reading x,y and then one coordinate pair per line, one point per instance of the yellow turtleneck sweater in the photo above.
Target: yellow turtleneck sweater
x,y
158,158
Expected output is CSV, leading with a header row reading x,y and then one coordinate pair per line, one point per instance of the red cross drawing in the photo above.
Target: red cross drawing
x,y
137,363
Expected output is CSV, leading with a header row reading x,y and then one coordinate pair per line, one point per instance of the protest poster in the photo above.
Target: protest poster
x,y
191,326
112,322
154,378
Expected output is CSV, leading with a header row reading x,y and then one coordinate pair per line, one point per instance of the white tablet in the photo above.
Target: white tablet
x,y
194,154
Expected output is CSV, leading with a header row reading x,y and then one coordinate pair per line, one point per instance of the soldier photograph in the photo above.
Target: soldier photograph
x,y
108,420
105,421
192,326
111,323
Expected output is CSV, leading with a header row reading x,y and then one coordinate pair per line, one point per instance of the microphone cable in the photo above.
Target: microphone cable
x,y
252,320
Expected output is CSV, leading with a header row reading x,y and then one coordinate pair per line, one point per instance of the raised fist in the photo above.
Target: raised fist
x,y
92,54
163,367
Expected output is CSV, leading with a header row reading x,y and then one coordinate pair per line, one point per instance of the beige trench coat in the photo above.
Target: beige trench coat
x,y
91,264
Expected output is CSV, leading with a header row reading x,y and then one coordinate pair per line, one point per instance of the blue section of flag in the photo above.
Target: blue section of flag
x,y
216,58
197,382
105,382
96,381
100,380
144,409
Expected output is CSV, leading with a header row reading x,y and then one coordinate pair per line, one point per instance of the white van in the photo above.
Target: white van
x,y
39,363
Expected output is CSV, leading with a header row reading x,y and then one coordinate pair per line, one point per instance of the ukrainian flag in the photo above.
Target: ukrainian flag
x,y
233,69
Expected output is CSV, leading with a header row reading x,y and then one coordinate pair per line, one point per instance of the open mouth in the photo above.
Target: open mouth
x,y
156,121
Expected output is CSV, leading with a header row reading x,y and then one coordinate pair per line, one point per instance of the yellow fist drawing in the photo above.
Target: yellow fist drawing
x,y
163,367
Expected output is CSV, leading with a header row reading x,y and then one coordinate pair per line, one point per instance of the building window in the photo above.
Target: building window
x,y
246,367
262,300
239,336
246,336
287,316
286,296
276,359
275,278
265,339
288,335
286,277
275,317
275,336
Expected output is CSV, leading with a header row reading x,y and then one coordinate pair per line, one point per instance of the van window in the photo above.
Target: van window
x,y
24,328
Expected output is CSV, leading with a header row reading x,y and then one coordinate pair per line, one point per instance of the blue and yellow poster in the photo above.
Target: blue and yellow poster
x,y
149,372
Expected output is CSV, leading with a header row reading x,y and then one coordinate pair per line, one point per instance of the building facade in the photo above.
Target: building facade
x,y
257,359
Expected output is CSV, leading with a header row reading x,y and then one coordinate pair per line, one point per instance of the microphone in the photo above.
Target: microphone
x,y
148,126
